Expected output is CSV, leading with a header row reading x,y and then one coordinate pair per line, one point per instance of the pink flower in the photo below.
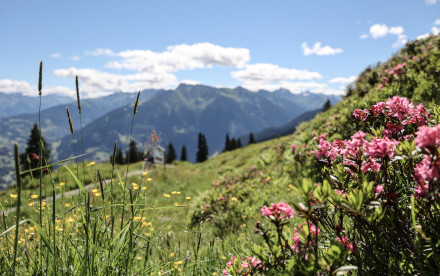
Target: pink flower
x,y
378,108
370,165
280,210
294,147
399,107
380,86
425,171
314,230
378,189
381,148
244,265
420,190
348,245
326,149
254,261
296,240
428,136
361,114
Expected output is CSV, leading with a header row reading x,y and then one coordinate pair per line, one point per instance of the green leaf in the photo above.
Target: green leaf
x,y
80,185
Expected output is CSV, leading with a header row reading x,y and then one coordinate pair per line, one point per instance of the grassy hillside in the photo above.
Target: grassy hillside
x,y
190,219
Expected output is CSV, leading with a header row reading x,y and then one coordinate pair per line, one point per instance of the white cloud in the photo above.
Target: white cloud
x,y
423,36
75,58
364,36
101,52
154,70
343,80
382,30
23,87
431,2
55,55
181,57
319,50
191,82
266,73
296,87
434,30
95,83
272,77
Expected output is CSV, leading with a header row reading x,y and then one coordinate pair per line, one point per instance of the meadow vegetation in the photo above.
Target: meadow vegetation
x,y
355,190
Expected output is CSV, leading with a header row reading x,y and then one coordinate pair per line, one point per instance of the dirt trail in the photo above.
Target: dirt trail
x,y
71,192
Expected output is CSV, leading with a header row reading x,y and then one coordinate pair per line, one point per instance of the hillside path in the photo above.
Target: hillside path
x,y
72,192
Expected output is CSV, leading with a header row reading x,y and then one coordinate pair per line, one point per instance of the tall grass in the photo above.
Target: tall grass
x,y
78,236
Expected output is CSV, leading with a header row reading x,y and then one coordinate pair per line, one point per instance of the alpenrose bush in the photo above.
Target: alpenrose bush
x,y
376,208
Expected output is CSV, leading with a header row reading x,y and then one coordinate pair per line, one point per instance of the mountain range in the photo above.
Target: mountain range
x,y
178,115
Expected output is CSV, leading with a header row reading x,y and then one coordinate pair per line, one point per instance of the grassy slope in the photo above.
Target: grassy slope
x,y
226,213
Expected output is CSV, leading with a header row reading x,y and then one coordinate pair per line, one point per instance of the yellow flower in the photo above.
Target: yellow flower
x,y
144,173
31,204
188,197
91,164
94,191
136,218
62,183
176,204
166,195
149,179
13,195
97,194
69,220
67,204
234,198
144,188
139,258
172,254
134,186
214,273
223,258
34,196
174,192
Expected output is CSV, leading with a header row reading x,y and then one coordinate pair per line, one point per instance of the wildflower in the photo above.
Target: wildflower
x,y
144,188
344,241
425,171
144,173
14,195
361,114
91,164
188,198
97,194
94,191
428,137
149,179
234,198
176,204
294,147
378,189
280,210
370,166
381,148
139,258
34,196
134,186
62,183
166,195
31,204
67,204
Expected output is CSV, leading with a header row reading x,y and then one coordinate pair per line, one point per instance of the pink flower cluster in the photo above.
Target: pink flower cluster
x,y
428,137
396,71
278,210
347,244
313,230
234,267
399,108
381,148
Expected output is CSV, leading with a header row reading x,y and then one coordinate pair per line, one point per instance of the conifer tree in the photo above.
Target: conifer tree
x,y
239,144
32,153
183,154
326,105
251,138
119,158
202,149
133,153
171,154
233,144
227,144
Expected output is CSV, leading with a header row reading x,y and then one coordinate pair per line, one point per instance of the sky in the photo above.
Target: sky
x,y
317,45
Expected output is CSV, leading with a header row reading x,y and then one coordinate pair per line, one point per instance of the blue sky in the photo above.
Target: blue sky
x,y
133,45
